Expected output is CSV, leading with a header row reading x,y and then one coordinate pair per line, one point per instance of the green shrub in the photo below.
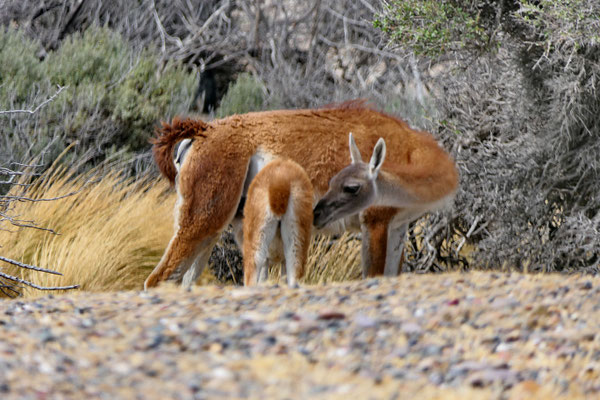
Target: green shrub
x,y
114,97
18,59
419,113
432,27
98,55
246,94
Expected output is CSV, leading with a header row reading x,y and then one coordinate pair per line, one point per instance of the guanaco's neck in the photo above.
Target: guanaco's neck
x,y
390,192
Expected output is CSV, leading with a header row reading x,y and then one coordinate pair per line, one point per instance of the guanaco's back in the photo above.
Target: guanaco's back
x,y
279,201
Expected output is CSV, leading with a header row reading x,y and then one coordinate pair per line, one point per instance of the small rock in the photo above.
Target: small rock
x,y
46,335
502,347
401,351
374,282
453,302
486,377
411,328
364,321
432,350
222,373
270,340
436,378
330,315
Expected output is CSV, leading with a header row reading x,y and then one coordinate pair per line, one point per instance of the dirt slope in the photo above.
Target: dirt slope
x,y
467,336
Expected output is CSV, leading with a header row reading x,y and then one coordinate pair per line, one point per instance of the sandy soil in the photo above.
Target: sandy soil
x,y
450,336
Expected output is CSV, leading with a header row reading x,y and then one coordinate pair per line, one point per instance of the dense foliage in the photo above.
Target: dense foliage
x,y
524,123
432,27
113,96
246,94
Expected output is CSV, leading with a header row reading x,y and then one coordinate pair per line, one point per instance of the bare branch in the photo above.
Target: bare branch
x,y
24,224
27,266
48,100
9,290
23,198
6,171
163,32
33,285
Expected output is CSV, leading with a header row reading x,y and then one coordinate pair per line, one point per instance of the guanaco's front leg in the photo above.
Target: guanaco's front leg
x,y
395,249
377,249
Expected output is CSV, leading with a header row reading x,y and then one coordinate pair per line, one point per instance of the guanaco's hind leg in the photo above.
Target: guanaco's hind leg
x,y
200,218
187,252
201,260
263,273
182,262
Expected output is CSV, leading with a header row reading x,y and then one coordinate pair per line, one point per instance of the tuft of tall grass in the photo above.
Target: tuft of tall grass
x,y
110,234
328,261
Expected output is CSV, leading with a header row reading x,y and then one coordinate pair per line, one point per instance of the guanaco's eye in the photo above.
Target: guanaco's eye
x,y
351,189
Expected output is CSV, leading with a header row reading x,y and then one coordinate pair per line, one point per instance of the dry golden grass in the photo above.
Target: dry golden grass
x,y
328,261
110,234
113,231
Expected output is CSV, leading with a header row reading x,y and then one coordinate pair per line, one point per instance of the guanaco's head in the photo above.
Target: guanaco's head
x,y
353,189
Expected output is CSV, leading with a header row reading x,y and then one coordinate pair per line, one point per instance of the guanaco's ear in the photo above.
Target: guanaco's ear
x,y
354,152
377,158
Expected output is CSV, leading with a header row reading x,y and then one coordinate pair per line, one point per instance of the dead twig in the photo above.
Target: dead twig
x,y
35,110
33,285
27,266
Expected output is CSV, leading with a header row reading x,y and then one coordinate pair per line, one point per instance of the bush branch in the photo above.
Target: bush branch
x,y
33,285
27,266
35,110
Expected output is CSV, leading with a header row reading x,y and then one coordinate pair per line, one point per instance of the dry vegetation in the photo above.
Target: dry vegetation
x,y
112,231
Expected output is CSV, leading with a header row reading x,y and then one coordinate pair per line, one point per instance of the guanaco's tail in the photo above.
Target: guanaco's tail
x,y
168,136
279,194
288,178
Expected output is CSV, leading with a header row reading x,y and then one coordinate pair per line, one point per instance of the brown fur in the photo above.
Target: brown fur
x,y
377,220
279,185
414,157
212,176
168,137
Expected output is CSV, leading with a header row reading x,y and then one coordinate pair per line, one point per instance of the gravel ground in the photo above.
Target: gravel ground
x,y
450,336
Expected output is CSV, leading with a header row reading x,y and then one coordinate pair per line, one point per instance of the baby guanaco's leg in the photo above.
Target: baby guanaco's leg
x,y
296,226
257,239
259,229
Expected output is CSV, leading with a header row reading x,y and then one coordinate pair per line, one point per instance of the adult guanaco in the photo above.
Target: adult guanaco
x,y
225,155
